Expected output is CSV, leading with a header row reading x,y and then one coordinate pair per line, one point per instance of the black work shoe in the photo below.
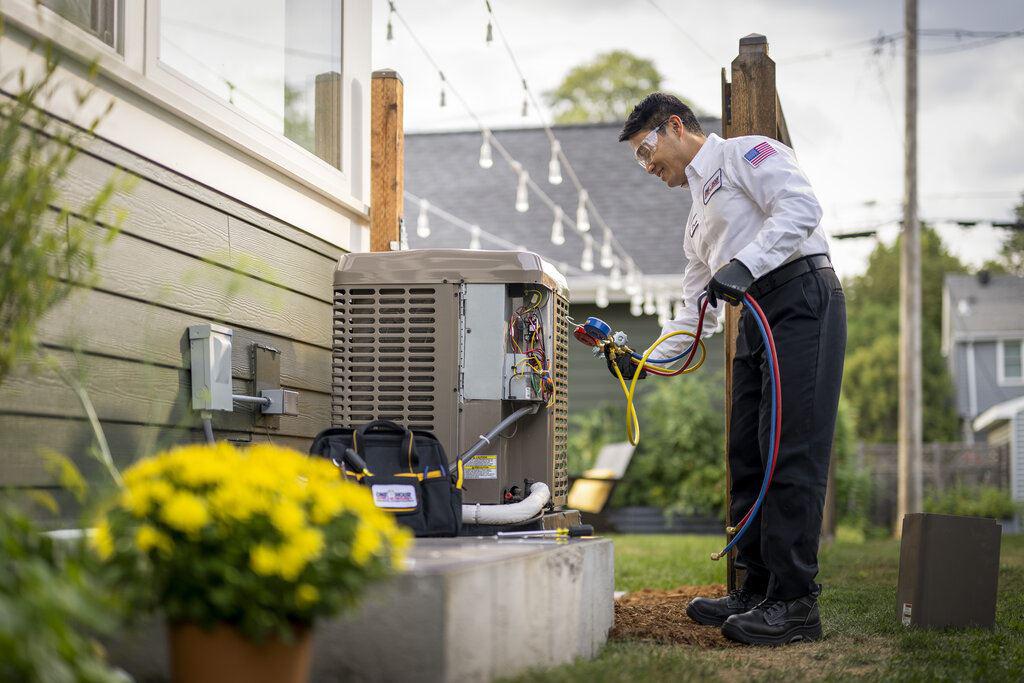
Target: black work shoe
x,y
776,622
714,611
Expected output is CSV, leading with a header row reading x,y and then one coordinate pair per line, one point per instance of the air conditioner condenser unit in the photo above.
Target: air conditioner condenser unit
x,y
453,341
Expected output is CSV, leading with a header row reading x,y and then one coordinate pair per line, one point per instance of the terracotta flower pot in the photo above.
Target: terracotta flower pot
x,y
223,654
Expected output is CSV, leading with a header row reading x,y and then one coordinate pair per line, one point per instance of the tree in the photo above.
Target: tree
x,y
605,89
870,383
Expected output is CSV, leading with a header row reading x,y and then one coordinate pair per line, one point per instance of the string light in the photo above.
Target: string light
x,y
649,308
677,309
555,166
615,276
486,161
607,257
391,13
582,217
557,232
632,282
441,74
403,237
636,305
423,221
474,238
601,299
522,191
526,99
663,307
587,260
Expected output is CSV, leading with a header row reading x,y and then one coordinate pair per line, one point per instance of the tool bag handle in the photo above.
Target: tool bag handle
x,y
408,442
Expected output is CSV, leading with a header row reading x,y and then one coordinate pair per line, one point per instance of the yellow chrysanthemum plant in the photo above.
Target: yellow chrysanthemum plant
x,y
264,539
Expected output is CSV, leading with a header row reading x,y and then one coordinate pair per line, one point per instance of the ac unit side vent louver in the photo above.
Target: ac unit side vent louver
x,y
560,488
384,359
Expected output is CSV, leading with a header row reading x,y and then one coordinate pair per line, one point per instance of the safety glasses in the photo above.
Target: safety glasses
x,y
649,145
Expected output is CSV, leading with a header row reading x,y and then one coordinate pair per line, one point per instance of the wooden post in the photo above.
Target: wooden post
x,y
387,160
327,118
750,106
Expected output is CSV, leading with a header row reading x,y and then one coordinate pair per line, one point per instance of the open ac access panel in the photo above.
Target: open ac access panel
x,y
459,342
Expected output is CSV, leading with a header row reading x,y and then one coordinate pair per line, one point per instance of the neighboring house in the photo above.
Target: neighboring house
x,y
245,197
983,339
646,217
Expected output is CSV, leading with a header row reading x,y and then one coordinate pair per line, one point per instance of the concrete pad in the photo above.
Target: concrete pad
x,y
465,609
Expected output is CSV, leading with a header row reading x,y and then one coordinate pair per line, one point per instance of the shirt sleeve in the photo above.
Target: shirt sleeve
x,y
695,279
783,192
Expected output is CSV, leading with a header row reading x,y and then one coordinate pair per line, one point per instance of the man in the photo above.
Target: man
x,y
754,226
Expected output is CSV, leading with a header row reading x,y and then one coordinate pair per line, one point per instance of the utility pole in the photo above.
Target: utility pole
x,y
909,454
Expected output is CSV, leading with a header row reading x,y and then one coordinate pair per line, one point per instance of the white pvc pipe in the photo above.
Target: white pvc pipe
x,y
513,513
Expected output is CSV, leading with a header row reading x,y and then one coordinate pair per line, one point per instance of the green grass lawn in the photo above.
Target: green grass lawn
x,y
862,637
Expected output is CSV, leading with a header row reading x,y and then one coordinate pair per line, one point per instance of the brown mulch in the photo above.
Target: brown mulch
x,y
660,616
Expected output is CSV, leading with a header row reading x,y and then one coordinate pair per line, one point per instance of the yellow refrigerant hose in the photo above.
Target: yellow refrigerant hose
x,y
632,421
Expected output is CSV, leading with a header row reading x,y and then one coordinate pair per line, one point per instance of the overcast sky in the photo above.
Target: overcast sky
x,y
845,111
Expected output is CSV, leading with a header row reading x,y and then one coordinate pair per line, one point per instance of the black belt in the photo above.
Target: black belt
x,y
787,272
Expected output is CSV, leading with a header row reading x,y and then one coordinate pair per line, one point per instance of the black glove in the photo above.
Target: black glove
x,y
625,363
731,282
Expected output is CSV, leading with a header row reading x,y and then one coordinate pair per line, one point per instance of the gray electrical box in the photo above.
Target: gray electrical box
x,y
210,347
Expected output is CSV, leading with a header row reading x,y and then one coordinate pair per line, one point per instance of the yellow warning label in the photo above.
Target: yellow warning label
x,y
482,467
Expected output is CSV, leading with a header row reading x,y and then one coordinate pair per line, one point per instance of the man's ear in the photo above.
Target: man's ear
x,y
677,125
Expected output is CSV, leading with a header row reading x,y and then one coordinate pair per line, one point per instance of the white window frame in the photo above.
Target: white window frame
x,y
1005,381
140,70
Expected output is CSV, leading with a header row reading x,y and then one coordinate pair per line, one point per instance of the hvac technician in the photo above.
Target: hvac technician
x,y
754,226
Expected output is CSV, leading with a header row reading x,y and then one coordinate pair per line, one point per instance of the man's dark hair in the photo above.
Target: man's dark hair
x,y
654,109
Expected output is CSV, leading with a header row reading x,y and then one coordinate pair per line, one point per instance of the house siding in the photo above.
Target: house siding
x,y
185,254
1017,456
986,366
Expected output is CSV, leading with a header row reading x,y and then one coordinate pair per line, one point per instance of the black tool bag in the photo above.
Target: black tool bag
x,y
408,473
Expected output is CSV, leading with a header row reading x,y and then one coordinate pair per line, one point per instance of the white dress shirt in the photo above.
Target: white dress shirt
x,y
751,202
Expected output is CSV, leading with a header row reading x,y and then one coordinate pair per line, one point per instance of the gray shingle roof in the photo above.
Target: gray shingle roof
x,y
974,307
645,216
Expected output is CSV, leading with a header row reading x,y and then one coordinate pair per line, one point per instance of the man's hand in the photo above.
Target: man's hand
x,y
731,283
624,363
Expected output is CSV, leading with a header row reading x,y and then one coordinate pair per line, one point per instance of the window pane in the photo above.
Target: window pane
x,y
263,58
94,16
1012,359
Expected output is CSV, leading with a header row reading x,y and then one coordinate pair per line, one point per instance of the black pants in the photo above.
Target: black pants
x,y
807,315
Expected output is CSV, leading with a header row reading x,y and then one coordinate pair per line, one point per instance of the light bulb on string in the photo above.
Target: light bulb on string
x,y
649,308
557,231
403,236
555,165
632,284
523,192
587,260
526,99
636,305
663,306
615,276
677,309
391,13
474,237
423,220
486,160
601,299
441,73
607,257
582,217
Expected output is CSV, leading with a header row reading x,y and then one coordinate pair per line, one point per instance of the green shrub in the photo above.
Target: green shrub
x,y
49,600
42,251
678,464
977,501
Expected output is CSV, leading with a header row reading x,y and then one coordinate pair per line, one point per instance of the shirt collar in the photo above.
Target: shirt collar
x,y
704,154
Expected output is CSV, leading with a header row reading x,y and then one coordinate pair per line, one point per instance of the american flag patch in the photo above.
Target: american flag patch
x,y
759,153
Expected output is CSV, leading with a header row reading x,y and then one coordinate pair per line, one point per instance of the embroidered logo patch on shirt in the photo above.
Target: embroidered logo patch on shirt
x,y
758,153
713,185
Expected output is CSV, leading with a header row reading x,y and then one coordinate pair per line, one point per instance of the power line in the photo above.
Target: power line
x,y
683,31
883,39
